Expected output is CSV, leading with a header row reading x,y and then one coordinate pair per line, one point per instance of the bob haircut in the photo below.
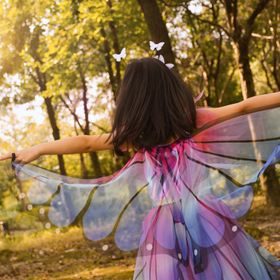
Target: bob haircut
x,y
153,106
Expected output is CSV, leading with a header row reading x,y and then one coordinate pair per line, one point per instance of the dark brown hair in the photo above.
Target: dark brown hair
x,y
153,105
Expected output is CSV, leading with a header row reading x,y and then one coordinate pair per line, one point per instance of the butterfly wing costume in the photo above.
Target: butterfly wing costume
x,y
178,203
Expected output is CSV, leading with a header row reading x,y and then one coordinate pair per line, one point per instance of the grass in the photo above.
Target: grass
x,y
68,255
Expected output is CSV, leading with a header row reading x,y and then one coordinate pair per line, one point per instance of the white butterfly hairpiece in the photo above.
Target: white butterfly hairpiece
x,y
156,46
161,58
153,46
122,54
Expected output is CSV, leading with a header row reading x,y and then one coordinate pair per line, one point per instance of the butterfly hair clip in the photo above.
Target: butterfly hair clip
x,y
119,56
161,58
156,46
153,46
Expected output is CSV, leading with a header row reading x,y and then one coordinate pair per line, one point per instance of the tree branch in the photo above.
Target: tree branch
x,y
173,5
208,22
251,20
72,113
266,37
99,127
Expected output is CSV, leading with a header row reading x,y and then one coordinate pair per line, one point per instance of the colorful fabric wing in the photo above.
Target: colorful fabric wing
x,y
212,175
231,156
108,204
178,203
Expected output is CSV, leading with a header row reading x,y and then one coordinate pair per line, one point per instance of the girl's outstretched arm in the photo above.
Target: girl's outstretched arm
x,y
249,105
70,145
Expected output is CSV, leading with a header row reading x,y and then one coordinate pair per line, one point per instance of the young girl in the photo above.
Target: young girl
x,y
179,196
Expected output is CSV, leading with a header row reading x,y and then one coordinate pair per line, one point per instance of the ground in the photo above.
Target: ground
x,y
68,255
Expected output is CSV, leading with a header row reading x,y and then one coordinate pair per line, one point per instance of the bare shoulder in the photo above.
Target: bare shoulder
x,y
204,114
207,114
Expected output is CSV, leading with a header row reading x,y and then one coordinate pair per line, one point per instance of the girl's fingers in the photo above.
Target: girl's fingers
x,y
20,158
9,156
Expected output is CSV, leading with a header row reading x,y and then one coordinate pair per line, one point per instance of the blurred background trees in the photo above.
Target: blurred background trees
x,y
58,77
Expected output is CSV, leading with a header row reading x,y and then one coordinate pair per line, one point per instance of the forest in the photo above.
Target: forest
x,y
58,78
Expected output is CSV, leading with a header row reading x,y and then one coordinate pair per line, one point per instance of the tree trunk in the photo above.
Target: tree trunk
x,y
41,81
157,28
241,33
96,164
93,155
116,45
108,61
84,171
241,54
272,184
55,132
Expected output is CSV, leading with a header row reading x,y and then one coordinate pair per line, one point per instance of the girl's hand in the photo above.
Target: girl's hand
x,y
24,156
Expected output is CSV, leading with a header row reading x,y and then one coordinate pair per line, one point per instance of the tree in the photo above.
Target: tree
x,y
240,31
157,27
26,52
